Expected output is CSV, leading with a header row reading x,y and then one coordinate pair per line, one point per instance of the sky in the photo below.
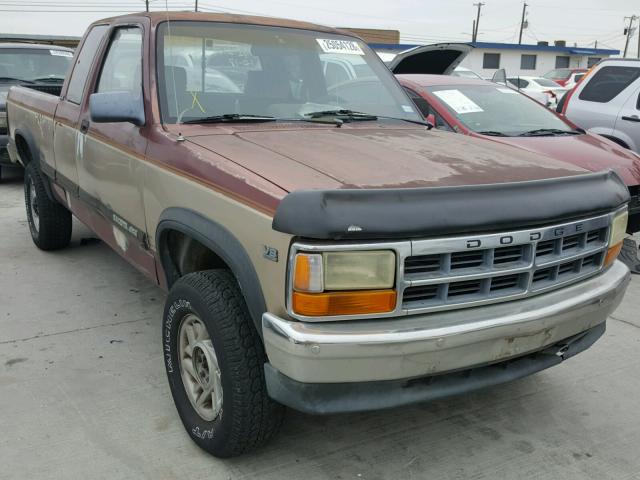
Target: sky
x,y
419,21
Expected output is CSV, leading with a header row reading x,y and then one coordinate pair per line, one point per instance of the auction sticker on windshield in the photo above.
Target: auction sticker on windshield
x,y
330,45
60,53
458,101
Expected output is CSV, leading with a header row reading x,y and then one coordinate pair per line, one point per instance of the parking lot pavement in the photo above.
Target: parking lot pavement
x,y
83,393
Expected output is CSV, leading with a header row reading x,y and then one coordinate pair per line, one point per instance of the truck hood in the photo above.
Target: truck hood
x,y
376,157
591,152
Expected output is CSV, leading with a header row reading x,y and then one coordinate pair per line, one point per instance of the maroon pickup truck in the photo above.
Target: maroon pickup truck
x,y
322,247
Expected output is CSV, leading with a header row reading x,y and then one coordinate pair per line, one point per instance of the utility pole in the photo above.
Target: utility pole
x,y
475,31
524,12
146,2
638,37
196,5
632,19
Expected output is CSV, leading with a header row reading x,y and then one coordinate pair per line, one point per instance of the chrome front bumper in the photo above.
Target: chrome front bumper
x,y
424,345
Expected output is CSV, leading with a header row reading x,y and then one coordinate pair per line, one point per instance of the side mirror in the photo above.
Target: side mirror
x,y
431,119
115,107
500,77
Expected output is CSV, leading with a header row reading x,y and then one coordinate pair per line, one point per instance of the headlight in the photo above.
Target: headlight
x,y
618,233
344,283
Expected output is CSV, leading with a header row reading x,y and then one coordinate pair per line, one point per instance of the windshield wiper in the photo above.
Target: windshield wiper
x,y
541,132
48,79
359,116
231,118
349,114
492,133
12,79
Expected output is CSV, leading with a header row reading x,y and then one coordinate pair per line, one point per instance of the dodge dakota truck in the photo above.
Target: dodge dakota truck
x,y
41,67
322,247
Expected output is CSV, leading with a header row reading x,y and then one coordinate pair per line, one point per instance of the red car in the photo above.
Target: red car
x,y
497,113
563,75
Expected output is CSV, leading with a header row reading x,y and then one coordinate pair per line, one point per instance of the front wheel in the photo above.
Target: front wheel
x,y
50,222
214,360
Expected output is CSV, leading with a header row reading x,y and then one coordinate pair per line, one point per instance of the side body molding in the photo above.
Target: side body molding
x,y
222,242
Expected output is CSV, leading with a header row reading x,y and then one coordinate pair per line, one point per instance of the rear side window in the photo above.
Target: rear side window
x,y
608,82
518,82
83,63
122,67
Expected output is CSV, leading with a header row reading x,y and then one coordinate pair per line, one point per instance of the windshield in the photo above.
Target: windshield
x,y
206,69
560,73
500,110
34,64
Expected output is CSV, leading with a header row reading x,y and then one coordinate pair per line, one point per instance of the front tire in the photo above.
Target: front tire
x,y
50,222
214,360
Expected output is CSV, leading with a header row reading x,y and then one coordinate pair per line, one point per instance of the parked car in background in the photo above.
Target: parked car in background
x,y
564,76
545,91
309,260
41,67
465,73
607,102
574,79
485,110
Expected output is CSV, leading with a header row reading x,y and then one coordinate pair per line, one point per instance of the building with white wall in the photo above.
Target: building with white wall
x,y
532,60
526,60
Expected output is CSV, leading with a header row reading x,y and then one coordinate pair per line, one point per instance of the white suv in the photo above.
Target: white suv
x,y
607,102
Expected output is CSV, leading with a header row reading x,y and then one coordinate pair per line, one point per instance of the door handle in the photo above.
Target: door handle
x,y
632,118
84,126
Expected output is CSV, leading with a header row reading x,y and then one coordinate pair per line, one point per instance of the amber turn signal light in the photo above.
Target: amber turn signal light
x,y
344,303
612,254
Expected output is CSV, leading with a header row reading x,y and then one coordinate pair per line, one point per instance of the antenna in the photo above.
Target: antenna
x,y
173,72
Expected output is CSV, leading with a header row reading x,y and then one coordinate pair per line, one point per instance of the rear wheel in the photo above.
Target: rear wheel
x,y
214,360
49,221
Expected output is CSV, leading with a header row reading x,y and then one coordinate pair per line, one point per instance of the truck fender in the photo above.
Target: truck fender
x,y
222,242
34,152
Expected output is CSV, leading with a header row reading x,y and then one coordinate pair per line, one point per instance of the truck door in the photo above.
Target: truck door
x,y
66,138
629,120
110,163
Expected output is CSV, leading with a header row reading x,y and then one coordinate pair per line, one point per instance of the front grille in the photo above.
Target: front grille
x,y
453,273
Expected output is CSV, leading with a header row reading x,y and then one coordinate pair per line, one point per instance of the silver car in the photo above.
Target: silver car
x,y
607,102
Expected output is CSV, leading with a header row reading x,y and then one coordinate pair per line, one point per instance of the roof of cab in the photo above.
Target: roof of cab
x,y
34,46
159,17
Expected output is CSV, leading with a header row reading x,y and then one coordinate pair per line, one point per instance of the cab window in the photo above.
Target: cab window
x,y
122,67
83,63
